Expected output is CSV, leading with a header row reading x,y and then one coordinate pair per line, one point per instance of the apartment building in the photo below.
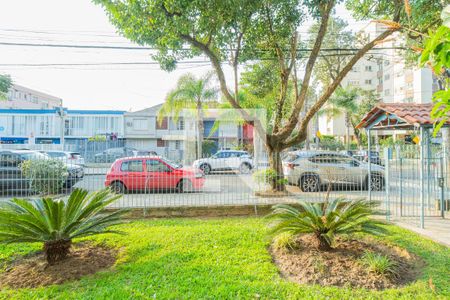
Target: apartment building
x,y
383,70
20,97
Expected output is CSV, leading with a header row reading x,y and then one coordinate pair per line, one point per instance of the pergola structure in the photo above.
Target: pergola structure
x,y
403,116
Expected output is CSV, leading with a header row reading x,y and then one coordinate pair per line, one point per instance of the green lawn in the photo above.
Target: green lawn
x,y
217,259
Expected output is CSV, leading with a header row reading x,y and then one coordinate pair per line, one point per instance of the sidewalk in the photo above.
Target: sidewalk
x,y
436,229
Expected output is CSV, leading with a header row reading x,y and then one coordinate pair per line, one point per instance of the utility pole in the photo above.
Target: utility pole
x,y
61,113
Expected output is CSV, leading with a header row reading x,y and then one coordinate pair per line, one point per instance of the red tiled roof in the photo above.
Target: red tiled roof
x,y
411,113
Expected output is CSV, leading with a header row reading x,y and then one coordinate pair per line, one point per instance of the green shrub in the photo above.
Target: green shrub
x,y
97,138
208,147
284,241
329,142
378,263
55,222
47,176
327,219
267,176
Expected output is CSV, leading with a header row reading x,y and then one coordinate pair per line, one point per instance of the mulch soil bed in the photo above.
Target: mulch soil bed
x,y
33,271
342,266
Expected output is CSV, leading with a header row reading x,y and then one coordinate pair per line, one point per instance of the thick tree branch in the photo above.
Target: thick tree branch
x,y
332,87
235,64
285,73
223,84
216,65
299,102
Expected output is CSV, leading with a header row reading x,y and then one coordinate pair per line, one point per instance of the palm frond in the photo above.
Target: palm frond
x,y
326,220
47,219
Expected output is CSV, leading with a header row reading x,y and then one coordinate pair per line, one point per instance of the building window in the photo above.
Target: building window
x,y
387,92
177,145
75,126
355,69
160,143
163,124
140,124
369,68
101,124
368,81
387,77
44,126
180,124
353,82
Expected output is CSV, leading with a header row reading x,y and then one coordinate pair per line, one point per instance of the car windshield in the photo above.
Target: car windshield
x,y
33,156
172,164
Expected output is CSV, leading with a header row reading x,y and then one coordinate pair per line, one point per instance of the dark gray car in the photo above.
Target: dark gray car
x,y
111,154
11,177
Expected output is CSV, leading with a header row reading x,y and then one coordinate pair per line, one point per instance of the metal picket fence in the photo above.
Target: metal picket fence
x,y
408,187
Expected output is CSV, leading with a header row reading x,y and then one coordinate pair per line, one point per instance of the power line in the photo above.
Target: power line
x,y
150,48
94,64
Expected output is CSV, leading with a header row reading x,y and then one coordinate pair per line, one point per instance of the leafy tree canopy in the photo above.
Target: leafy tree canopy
x,y
5,84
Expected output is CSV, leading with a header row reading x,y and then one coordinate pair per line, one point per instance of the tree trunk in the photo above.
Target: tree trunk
x,y
358,138
199,132
276,183
56,250
322,243
347,130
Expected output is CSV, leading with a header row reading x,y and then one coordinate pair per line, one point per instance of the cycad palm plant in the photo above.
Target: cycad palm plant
x,y
55,222
327,219
190,93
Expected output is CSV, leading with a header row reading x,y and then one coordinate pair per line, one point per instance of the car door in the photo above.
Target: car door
x,y
159,175
349,169
357,172
133,174
234,160
217,161
11,174
328,168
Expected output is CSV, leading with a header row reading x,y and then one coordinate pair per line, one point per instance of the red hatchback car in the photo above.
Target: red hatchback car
x,y
152,173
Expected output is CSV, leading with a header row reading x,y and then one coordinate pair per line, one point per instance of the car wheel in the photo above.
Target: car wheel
x,y
376,182
118,187
185,186
309,183
205,168
245,168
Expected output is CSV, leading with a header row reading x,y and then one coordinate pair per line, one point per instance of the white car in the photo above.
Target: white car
x,y
311,170
68,157
226,160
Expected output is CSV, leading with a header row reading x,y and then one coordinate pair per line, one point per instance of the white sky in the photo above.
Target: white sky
x,y
82,87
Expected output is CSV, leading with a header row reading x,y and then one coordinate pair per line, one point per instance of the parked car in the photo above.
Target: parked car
x,y
73,158
311,170
11,177
152,173
145,153
111,154
226,160
348,152
363,155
